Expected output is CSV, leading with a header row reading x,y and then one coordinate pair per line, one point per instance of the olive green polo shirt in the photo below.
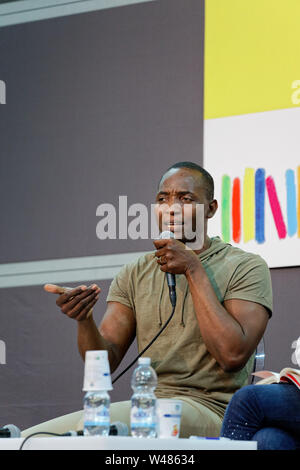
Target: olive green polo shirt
x,y
179,355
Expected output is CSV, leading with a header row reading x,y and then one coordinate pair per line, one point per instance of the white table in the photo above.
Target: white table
x,y
121,443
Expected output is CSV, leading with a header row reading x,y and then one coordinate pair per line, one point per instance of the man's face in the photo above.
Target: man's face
x,y
179,193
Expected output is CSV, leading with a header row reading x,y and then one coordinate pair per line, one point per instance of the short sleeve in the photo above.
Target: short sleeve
x,y
252,281
121,288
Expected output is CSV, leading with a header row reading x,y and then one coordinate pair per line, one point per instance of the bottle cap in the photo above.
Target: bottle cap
x,y
145,361
96,371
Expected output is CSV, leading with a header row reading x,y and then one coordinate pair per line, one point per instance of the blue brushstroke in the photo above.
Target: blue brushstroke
x,y
291,202
260,190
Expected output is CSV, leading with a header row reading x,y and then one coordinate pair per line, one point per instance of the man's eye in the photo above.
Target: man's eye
x,y
187,199
161,199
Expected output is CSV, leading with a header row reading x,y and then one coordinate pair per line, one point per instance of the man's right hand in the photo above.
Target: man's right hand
x,y
76,303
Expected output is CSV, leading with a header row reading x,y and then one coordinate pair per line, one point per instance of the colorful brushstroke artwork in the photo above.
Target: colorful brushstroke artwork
x,y
255,162
256,188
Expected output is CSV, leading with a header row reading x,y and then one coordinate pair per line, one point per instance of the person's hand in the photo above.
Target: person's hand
x,y
76,303
173,256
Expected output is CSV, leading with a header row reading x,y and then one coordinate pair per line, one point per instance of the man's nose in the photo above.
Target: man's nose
x,y
175,206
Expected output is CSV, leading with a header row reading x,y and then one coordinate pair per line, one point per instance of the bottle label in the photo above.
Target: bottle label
x,y
142,425
96,416
143,418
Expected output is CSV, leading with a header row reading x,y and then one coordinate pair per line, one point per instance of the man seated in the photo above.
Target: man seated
x,y
224,301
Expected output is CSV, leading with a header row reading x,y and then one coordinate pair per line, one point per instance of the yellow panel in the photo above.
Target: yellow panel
x,y
252,56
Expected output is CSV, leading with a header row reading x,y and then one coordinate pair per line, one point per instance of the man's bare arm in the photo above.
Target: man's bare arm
x,y
116,331
230,331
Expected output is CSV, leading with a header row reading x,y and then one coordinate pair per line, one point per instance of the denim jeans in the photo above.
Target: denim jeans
x,y
268,414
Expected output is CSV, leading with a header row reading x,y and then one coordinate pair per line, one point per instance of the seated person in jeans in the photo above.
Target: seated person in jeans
x,y
268,414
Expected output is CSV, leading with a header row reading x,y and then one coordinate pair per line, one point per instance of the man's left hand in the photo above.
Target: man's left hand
x,y
174,257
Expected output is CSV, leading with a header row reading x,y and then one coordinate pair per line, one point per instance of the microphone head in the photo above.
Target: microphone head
x,y
166,234
13,430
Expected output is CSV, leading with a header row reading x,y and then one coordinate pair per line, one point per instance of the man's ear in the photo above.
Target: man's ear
x,y
212,208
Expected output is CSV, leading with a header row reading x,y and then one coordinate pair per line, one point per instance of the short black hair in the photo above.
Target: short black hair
x,y
209,182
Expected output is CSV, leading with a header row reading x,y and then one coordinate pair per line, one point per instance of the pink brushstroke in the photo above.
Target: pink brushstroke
x,y
275,207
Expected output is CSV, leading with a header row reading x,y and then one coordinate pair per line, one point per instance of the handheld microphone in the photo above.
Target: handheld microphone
x,y
116,429
10,430
170,277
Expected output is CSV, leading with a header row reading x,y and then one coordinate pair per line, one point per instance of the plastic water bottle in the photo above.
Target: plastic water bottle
x,y
96,413
143,400
96,402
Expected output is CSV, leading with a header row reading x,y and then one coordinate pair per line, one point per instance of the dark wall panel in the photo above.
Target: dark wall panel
x,y
98,105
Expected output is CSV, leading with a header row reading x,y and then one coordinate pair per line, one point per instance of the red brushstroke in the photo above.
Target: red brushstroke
x,y
236,210
275,207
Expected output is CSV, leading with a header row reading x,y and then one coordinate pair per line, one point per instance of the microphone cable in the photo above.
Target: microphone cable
x,y
36,433
116,378
147,347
